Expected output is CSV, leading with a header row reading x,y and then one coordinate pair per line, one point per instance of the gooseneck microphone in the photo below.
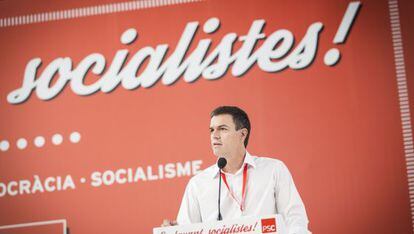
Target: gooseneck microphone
x,y
221,163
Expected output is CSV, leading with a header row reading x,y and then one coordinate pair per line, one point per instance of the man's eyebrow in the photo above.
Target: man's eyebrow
x,y
223,125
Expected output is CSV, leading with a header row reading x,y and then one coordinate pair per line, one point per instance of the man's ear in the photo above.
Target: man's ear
x,y
244,132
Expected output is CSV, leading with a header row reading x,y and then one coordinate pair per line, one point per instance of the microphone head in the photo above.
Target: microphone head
x,y
221,163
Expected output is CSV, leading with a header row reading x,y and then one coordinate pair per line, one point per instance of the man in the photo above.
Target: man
x,y
268,184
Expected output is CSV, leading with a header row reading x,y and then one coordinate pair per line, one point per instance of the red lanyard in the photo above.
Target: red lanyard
x,y
241,204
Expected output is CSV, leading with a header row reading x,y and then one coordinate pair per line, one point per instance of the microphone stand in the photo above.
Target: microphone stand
x,y
219,218
221,163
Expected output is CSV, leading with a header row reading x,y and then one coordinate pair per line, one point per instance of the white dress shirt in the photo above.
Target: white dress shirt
x,y
269,190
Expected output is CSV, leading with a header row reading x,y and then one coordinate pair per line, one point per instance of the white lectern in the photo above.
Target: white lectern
x,y
250,224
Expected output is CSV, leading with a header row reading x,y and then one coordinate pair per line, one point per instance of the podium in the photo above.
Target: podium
x,y
248,224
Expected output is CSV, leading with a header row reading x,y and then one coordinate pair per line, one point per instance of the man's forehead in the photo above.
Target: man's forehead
x,y
224,119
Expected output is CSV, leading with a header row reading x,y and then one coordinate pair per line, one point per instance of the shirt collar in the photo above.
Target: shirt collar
x,y
248,159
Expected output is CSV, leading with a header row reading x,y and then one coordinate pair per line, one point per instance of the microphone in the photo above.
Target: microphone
x,y
221,163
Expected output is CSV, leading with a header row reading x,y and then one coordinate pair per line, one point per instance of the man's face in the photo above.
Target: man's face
x,y
225,139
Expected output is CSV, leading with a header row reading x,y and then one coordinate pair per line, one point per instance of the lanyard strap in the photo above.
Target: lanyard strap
x,y
241,204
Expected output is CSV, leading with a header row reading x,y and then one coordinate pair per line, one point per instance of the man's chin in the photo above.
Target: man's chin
x,y
218,153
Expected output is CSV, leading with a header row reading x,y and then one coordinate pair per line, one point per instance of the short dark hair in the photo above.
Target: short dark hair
x,y
240,118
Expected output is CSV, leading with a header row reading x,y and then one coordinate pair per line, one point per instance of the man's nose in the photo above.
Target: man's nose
x,y
216,134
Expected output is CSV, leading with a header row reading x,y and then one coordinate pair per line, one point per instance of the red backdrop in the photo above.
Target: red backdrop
x,y
338,128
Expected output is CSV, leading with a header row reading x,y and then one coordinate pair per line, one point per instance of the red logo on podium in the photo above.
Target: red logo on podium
x,y
268,225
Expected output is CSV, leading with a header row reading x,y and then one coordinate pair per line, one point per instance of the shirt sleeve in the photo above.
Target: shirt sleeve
x,y
189,210
288,202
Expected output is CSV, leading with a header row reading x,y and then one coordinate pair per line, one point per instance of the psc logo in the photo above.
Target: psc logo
x,y
268,225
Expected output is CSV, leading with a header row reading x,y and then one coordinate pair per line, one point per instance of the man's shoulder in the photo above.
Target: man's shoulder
x,y
271,165
206,174
263,161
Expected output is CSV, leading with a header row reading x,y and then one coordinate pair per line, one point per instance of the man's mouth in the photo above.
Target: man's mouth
x,y
217,144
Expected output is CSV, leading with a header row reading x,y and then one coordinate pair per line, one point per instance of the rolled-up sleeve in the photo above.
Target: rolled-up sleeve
x,y
189,210
289,203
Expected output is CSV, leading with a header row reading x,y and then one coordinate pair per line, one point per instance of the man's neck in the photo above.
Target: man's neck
x,y
235,162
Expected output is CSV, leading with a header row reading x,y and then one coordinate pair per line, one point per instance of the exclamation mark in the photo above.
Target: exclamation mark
x,y
333,55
